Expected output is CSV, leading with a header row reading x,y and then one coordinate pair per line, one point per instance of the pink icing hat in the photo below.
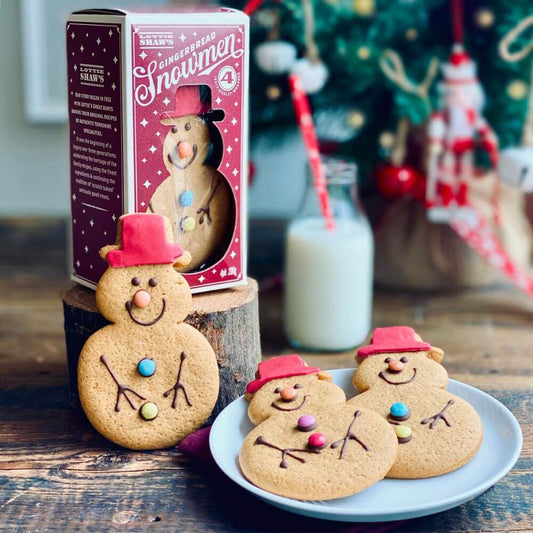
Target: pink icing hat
x,y
284,366
395,339
143,242
189,101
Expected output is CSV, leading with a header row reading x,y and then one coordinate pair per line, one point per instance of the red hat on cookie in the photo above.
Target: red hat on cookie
x,y
284,366
189,101
143,242
397,339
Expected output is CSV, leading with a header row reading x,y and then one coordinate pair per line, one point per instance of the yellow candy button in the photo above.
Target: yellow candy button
x,y
188,224
404,433
149,411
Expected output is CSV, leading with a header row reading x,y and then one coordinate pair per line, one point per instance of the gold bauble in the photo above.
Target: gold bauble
x,y
386,139
411,34
273,92
356,119
484,17
364,8
364,52
517,89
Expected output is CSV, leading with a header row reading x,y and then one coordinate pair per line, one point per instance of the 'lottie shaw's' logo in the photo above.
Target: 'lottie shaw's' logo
x,y
200,62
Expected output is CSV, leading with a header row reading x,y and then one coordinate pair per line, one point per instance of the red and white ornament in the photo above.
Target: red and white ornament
x,y
454,131
396,181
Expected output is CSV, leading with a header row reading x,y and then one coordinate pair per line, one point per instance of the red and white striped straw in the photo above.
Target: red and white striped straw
x,y
307,129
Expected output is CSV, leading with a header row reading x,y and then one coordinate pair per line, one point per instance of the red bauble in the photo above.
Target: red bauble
x,y
395,182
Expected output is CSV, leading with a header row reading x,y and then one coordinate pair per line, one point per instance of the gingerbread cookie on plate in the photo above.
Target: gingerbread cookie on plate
x,y
401,378
285,385
320,453
148,379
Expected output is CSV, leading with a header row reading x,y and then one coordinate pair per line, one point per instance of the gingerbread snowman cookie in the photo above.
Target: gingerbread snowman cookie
x,y
308,444
286,385
401,378
147,380
195,197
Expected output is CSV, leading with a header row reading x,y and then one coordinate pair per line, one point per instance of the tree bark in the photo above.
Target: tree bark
x,y
229,319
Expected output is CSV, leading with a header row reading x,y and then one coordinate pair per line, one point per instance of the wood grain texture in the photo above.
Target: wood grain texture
x,y
57,473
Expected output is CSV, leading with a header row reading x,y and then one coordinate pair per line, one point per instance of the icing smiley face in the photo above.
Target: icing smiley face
x,y
400,370
144,295
297,394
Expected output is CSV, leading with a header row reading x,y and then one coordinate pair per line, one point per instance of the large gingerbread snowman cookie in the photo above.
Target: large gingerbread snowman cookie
x,y
195,197
147,380
401,378
287,385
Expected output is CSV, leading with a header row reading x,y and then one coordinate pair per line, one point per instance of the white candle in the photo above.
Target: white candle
x,y
328,286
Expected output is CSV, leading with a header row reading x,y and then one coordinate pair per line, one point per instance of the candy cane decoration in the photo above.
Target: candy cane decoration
x,y
307,129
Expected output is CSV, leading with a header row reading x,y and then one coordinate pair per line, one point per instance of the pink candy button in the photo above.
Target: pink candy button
x,y
141,299
307,423
317,441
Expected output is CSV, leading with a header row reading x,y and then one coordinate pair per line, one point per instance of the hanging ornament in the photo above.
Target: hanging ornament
x,y
364,53
411,34
396,181
516,164
311,70
364,8
386,140
273,92
313,75
274,56
356,118
517,89
484,17
455,130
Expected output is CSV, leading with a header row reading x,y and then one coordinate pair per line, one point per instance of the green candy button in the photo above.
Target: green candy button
x,y
149,411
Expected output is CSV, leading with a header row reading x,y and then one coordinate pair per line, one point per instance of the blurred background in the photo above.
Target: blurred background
x,y
373,81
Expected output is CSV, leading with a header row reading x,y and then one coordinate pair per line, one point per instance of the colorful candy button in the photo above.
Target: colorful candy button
x,y
399,411
185,198
307,423
317,441
404,434
146,367
149,411
188,224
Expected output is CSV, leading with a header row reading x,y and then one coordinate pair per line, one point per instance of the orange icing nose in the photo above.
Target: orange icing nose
x,y
395,365
141,299
288,394
184,149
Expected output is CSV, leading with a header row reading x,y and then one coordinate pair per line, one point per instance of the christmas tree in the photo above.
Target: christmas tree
x,y
359,107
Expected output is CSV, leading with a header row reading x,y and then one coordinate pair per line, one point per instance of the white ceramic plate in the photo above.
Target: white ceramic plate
x,y
502,443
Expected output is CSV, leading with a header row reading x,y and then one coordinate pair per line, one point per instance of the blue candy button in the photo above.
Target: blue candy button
x,y
399,409
146,367
185,199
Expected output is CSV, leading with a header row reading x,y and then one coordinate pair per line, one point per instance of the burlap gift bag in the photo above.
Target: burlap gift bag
x,y
413,253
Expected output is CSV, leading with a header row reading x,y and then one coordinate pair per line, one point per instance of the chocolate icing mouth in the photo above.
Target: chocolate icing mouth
x,y
276,406
175,160
129,307
383,376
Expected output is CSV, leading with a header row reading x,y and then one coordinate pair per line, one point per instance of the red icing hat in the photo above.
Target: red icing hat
x,y
143,242
189,101
396,339
285,366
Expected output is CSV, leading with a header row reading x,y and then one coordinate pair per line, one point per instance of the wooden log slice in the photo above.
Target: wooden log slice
x,y
229,319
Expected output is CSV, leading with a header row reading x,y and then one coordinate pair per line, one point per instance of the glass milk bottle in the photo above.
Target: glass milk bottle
x,y
329,273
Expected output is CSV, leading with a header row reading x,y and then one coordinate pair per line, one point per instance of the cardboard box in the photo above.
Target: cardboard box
x,y
158,122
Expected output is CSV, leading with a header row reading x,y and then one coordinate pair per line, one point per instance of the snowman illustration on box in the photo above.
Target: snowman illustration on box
x,y
401,378
146,380
195,197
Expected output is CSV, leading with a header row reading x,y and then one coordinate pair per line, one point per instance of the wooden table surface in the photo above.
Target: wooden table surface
x,y
56,472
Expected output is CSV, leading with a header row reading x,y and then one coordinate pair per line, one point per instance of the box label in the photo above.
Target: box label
x,y
165,57
95,110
